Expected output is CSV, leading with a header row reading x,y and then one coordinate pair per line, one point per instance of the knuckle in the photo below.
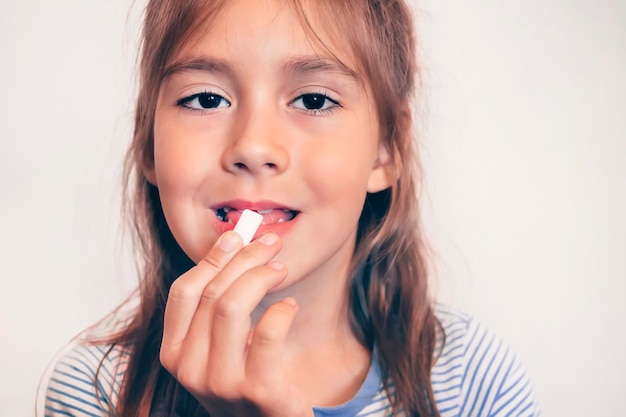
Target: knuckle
x,y
212,261
179,291
220,387
188,377
188,369
211,292
267,335
228,308
247,255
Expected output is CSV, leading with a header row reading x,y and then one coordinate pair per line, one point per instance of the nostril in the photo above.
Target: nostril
x,y
252,165
242,166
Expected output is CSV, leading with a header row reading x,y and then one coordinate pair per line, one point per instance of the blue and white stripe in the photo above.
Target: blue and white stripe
x,y
476,375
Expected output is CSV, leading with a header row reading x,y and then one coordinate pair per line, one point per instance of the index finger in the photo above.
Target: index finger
x,y
186,292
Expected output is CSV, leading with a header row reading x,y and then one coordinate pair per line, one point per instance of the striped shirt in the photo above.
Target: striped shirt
x,y
476,375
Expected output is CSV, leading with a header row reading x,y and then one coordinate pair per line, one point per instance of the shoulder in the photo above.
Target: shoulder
x,y
84,381
85,377
476,373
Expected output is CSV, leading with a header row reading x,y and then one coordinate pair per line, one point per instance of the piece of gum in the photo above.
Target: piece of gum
x,y
247,225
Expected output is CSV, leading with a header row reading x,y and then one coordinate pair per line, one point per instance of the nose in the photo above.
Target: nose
x,y
257,145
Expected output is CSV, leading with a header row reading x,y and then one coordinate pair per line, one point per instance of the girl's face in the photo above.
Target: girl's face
x,y
255,114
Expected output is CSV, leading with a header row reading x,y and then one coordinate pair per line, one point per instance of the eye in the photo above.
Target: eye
x,y
203,101
315,102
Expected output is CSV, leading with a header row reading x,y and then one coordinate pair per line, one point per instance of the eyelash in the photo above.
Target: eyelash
x,y
318,112
185,102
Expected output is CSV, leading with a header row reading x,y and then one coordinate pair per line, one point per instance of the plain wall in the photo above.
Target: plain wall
x,y
524,149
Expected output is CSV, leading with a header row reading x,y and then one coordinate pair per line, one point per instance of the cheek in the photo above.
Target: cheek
x,y
341,163
182,165
180,159
338,178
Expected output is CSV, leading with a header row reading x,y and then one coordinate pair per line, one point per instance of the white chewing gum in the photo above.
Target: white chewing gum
x,y
247,225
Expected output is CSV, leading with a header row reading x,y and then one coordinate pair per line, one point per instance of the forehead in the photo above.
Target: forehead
x,y
258,29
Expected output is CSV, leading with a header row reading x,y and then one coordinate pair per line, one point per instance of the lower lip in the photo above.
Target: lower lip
x,y
280,229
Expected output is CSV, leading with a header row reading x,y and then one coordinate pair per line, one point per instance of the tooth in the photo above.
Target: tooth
x,y
281,220
265,211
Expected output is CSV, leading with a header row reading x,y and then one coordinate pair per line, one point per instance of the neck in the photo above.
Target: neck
x,y
322,353
323,318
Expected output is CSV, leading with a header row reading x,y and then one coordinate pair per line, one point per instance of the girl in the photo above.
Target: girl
x,y
299,110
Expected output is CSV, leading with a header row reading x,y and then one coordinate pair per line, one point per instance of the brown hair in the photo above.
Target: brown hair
x,y
390,306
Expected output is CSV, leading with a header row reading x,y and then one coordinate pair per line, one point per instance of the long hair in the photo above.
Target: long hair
x,y
390,308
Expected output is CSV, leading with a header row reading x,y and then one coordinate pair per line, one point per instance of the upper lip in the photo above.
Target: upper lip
x,y
252,205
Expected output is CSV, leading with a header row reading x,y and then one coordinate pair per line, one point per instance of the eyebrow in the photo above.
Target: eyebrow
x,y
297,65
311,64
198,64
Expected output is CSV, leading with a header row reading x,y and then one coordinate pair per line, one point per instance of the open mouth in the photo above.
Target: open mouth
x,y
270,216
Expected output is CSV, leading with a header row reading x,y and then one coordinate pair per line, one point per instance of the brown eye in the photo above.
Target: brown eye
x,y
204,101
314,102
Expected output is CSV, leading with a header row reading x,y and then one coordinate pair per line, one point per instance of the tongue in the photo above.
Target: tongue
x,y
272,217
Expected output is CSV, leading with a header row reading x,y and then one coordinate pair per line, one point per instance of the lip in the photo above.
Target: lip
x,y
252,205
279,228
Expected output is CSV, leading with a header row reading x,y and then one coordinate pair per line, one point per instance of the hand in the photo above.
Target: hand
x,y
208,343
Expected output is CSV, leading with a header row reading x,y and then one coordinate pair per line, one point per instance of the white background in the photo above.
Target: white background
x,y
525,154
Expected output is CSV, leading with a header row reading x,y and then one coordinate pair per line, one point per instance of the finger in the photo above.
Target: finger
x,y
186,292
231,323
265,355
251,256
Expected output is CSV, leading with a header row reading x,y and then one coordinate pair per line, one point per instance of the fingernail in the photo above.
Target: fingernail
x,y
290,301
228,242
268,239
